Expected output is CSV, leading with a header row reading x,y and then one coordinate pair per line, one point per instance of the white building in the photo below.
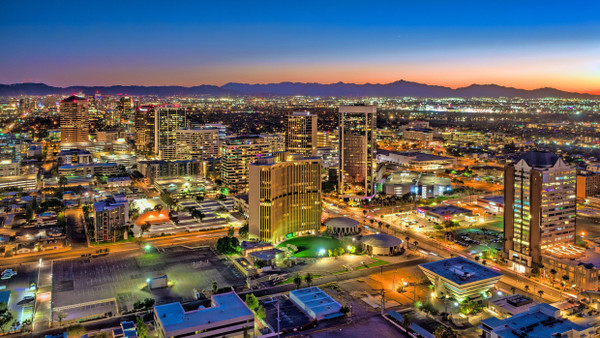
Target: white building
x,y
228,316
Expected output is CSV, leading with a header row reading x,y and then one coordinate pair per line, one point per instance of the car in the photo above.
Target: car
x,y
28,298
5,277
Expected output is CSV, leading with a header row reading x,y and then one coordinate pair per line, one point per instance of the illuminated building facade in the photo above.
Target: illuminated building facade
x,y
74,120
236,155
539,207
168,121
197,144
284,197
301,133
145,119
358,126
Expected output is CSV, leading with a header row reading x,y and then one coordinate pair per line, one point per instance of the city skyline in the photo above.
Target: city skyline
x,y
527,46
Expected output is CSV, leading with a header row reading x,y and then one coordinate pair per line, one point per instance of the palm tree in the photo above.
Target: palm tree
x,y
62,181
513,289
215,287
416,243
308,279
526,288
407,241
553,273
566,279
298,281
541,293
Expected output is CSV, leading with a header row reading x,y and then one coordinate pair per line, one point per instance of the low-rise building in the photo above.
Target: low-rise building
x,y
443,213
423,185
416,160
542,320
460,278
316,303
494,204
228,316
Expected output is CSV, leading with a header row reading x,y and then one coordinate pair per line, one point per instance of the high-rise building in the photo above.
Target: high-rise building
x,y
275,141
197,144
539,207
145,120
168,120
301,133
236,155
109,216
126,111
74,120
284,198
358,126
588,184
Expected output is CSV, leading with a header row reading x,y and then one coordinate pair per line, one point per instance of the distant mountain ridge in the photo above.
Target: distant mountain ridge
x,y
394,89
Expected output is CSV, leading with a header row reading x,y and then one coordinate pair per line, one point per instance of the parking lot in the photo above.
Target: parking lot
x,y
19,290
290,316
89,287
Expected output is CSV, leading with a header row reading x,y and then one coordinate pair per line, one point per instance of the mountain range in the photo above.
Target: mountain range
x,y
394,89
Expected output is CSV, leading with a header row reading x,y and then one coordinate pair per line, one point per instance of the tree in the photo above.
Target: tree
x,y
228,245
230,232
62,181
244,230
158,207
61,315
477,258
298,281
260,312
5,316
251,301
526,288
416,244
513,289
87,208
407,241
75,331
142,328
215,287
553,273
308,279
144,227
26,325
541,293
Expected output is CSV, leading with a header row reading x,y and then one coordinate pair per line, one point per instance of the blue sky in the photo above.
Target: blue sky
x,y
518,43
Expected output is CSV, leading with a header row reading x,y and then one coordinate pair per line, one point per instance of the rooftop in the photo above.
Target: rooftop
x,y
74,98
265,255
460,270
445,210
341,222
414,155
540,159
315,299
225,307
539,321
495,199
381,240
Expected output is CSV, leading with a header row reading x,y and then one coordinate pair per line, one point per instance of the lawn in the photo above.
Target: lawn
x,y
378,262
309,246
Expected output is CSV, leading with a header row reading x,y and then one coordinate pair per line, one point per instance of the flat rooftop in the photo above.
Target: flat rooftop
x,y
226,306
415,155
495,199
461,270
316,300
445,210
536,322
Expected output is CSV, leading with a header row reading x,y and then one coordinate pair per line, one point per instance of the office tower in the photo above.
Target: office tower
x,y
275,141
301,133
168,120
74,120
539,207
198,144
109,216
327,139
358,125
126,111
284,197
145,119
236,155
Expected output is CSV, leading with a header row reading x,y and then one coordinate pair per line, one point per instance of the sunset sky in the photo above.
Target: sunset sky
x,y
525,44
